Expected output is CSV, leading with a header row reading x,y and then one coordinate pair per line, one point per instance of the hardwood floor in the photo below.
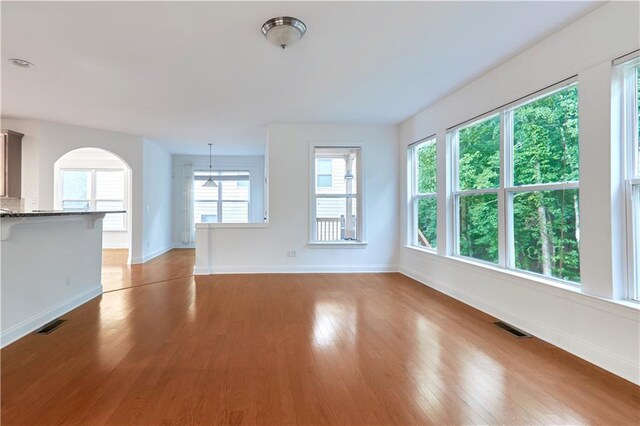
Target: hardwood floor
x,y
304,349
117,274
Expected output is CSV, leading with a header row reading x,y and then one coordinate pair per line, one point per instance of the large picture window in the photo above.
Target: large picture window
x,y
227,202
631,132
96,189
423,194
516,189
336,204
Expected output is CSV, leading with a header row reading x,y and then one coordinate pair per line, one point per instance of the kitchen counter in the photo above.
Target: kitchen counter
x,y
41,213
51,263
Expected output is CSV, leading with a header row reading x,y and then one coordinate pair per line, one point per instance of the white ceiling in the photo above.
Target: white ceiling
x,y
186,73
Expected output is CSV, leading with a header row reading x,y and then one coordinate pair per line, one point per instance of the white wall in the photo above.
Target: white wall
x,y
263,249
35,292
157,192
91,158
45,142
601,331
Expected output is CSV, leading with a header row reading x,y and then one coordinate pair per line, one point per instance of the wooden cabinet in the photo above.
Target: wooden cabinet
x,y
11,164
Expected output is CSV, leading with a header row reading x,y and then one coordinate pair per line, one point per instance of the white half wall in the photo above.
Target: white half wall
x,y
42,277
264,248
581,321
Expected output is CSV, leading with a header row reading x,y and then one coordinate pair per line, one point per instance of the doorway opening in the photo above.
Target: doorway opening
x,y
97,179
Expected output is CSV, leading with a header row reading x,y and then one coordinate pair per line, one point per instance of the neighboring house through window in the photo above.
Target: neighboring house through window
x,y
336,200
228,202
96,189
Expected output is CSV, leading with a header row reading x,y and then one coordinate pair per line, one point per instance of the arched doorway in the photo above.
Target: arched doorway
x,y
97,179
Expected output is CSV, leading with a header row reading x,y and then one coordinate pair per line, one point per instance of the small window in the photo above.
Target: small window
x,y
424,202
324,166
227,202
102,190
337,209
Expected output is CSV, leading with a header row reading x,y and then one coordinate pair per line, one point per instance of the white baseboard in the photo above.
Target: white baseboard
x,y
27,326
296,269
149,256
201,270
585,350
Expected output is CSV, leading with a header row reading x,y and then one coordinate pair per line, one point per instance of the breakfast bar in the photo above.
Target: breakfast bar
x,y
51,262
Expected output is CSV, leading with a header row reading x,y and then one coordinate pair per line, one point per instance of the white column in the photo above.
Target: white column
x,y
203,250
600,189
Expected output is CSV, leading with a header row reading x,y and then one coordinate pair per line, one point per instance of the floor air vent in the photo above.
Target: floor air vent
x,y
51,326
514,331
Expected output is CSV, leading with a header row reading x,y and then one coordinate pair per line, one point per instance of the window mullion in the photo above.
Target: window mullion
x,y
507,198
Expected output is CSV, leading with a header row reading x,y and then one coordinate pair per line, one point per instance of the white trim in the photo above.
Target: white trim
x,y
413,194
152,255
302,269
59,198
506,189
625,71
231,225
30,324
556,288
361,220
540,93
585,350
201,270
337,244
622,60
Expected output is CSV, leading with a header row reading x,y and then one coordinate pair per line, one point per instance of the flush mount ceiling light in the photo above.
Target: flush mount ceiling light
x,y
210,182
283,31
21,63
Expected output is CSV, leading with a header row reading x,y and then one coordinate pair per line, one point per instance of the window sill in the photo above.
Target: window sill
x,y
422,249
334,244
231,225
568,290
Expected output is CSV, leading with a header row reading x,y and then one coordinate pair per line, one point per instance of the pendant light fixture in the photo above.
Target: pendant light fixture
x,y
210,183
283,31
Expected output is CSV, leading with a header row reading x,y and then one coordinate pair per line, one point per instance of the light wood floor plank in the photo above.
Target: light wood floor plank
x,y
164,347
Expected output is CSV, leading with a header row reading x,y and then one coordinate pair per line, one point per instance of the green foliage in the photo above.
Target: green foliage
x,y
427,207
479,154
545,223
426,154
547,216
545,134
479,226
427,219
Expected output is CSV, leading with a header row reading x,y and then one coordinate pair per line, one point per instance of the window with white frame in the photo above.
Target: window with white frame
x,y
424,202
96,189
226,202
630,71
324,175
337,208
516,185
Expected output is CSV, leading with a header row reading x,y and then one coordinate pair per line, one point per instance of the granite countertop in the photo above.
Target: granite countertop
x,y
39,213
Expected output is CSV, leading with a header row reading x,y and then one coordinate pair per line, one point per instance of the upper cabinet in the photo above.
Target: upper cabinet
x,y
11,164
